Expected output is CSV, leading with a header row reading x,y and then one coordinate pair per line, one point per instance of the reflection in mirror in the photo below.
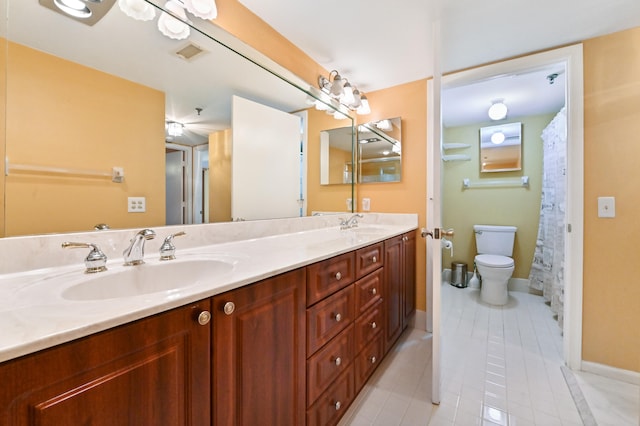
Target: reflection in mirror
x,y
380,151
85,99
336,159
501,148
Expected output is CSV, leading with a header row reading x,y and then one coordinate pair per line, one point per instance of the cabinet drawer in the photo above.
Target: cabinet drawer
x,y
329,276
367,361
328,318
326,365
368,290
368,259
332,405
369,325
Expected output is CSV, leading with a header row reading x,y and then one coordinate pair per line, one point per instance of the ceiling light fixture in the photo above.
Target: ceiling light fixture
x,y
86,11
139,10
174,128
173,25
341,90
497,110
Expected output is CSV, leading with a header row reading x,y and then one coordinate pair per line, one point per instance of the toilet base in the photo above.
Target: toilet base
x,y
494,293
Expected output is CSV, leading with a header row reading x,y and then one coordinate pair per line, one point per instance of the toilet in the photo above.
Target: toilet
x,y
493,261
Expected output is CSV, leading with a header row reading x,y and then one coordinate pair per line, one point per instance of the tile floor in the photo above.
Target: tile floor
x,y
500,366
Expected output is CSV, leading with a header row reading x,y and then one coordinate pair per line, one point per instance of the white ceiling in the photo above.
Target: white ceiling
x,y
378,44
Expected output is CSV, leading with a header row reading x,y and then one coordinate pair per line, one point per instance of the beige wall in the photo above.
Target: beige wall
x,y
3,120
62,114
518,206
408,101
220,150
611,308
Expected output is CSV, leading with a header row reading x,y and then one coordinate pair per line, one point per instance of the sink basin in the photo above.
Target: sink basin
x,y
147,278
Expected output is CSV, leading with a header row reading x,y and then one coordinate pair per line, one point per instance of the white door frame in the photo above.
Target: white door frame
x,y
188,184
571,56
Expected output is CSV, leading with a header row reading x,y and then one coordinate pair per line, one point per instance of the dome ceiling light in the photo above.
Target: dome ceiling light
x,y
497,110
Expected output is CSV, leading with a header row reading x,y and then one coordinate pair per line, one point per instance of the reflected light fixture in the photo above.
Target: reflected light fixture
x,y
174,128
497,110
497,137
139,10
86,11
172,25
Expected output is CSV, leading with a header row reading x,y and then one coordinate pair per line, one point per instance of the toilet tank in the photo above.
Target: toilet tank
x,y
491,239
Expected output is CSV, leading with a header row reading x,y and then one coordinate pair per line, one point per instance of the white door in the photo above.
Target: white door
x,y
265,181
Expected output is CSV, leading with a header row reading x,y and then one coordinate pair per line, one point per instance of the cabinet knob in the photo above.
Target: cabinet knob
x,y
337,317
337,405
373,359
338,276
374,291
405,238
204,317
374,325
229,307
338,361
374,259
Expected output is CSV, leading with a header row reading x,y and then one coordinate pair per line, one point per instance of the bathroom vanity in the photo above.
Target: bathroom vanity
x,y
288,345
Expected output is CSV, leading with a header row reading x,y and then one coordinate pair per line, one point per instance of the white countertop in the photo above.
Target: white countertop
x,y
34,314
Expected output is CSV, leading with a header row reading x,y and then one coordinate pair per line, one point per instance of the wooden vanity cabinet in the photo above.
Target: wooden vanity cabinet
x,y
259,353
155,371
399,285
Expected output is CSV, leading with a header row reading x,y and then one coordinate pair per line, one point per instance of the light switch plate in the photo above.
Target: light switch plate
x,y
366,204
136,204
606,207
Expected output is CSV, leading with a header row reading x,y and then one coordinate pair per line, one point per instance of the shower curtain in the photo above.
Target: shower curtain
x,y
547,270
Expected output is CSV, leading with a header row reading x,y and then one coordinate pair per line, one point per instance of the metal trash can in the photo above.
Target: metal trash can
x,y
458,274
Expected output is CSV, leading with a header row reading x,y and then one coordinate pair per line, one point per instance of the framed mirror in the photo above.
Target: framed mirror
x,y
85,100
380,151
501,148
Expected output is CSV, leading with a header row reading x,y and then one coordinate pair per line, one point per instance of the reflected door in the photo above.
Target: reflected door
x,y
266,162
175,187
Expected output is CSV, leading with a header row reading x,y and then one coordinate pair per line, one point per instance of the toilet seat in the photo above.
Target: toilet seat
x,y
494,261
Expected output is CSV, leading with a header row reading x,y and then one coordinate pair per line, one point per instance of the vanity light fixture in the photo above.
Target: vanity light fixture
x,y
497,110
497,137
173,21
340,89
86,11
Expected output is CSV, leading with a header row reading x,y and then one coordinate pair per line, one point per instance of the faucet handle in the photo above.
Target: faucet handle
x,y
95,261
167,249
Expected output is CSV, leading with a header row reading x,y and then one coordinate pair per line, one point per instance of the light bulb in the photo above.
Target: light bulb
x,y
497,137
497,111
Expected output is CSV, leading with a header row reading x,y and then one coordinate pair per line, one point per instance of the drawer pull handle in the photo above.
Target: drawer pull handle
x,y
338,276
374,325
373,360
204,317
338,361
338,405
374,259
229,307
374,291
337,317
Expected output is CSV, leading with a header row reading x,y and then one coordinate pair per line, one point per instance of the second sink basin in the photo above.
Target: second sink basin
x,y
147,278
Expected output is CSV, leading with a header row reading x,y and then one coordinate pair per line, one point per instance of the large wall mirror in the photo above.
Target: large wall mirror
x,y
336,156
81,100
501,148
380,151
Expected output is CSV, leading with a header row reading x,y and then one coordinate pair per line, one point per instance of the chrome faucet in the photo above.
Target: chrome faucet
x,y
167,249
95,261
134,254
352,222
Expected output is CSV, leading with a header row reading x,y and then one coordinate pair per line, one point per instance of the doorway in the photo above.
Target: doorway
x,y
571,58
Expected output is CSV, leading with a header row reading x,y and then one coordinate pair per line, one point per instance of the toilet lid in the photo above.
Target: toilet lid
x,y
494,260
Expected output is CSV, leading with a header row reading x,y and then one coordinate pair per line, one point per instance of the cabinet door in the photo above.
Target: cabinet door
x,y
151,372
393,290
409,267
259,353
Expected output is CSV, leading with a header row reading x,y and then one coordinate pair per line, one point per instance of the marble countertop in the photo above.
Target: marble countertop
x,y
35,315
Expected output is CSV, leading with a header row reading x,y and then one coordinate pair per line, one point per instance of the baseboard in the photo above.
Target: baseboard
x,y
419,320
627,376
515,284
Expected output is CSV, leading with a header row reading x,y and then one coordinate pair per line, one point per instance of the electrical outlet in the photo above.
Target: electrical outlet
x,y
349,204
366,204
606,207
136,204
